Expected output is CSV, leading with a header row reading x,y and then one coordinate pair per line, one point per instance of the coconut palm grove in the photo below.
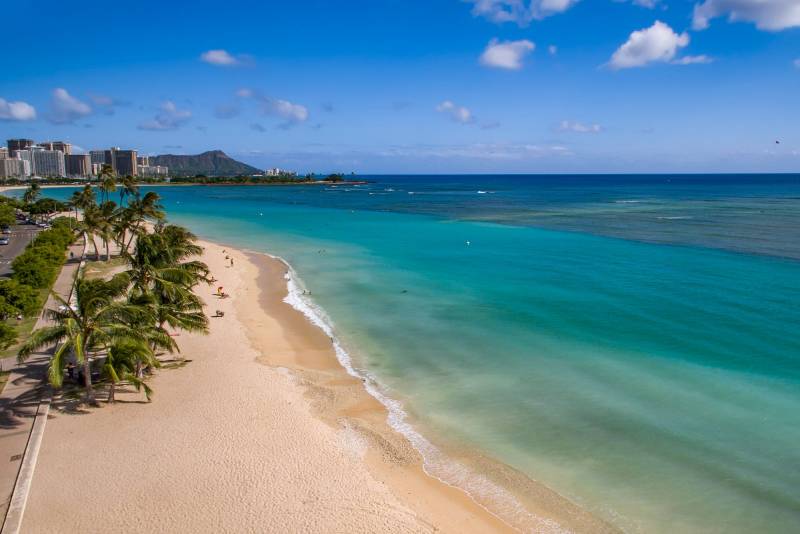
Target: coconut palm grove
x,y
130,296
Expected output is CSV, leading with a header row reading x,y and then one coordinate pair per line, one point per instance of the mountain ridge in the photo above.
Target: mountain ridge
x,y
209,163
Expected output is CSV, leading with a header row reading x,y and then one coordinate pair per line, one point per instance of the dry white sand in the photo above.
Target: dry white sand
x,y
260,431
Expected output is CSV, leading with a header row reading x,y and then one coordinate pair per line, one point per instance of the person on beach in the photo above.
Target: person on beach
x,y
231,262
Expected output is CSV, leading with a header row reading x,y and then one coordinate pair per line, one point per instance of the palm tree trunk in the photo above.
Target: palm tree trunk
x,y
87,381
96,250
111,392
133,234
108,250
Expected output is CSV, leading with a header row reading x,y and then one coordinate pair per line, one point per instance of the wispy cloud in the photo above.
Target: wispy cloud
x,y
507,55
223,58
291,113
519,11
457,113
491,151
693,60
227,111
65,108
579,127
770,15
107,104
169,117
16,111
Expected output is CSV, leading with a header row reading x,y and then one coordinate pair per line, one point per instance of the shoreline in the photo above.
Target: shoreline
x,y
5,188
260,428
519,502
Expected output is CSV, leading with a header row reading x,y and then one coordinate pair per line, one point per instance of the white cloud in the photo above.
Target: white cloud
x,y
457,113
285,109
518,11
506,54
168,118
577,127
552,50
291,113
772,15
65,108
656,43
16,111
220,58
693,60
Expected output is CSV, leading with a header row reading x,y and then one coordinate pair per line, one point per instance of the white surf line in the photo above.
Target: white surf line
x,y
22,487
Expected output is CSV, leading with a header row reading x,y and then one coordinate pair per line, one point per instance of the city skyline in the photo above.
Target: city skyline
x,y
449,86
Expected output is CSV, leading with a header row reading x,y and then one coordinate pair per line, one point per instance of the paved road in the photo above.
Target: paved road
x,y
20,236
19,400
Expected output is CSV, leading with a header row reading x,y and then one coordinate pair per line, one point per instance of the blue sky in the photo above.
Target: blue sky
x,y
391,86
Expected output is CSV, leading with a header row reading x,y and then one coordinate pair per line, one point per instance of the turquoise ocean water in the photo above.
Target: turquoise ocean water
x,y
631,342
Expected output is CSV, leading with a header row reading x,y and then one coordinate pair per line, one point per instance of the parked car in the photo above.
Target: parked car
x,y
7,230
3,241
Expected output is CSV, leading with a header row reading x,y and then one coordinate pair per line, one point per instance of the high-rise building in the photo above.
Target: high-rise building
x,y
49,163
66,148
3,152
153,170
98,156
18,144
79,164
14,168
143,161
110,157
96,168
125,163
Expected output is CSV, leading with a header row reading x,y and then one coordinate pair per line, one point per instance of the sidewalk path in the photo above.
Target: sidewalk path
x,y
20,398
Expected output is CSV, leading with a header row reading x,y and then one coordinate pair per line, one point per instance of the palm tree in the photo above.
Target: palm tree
x,y
98,320
74,202
93,225
159,263
122,363
107,215
129,188
33,192
141,210
107,181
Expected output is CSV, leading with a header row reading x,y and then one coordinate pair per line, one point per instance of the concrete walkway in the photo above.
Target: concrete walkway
x,y
26,387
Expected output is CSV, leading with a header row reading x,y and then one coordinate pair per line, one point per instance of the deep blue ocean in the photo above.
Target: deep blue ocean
x,y
632,342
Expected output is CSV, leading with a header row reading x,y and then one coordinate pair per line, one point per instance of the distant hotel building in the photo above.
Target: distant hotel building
x,y
66,148
3,152
79,165
98,156
14,168
278,172
153,170
49,163
123,162
15,145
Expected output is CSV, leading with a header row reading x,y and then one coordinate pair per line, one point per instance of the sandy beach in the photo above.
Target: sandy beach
x,y
261,430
